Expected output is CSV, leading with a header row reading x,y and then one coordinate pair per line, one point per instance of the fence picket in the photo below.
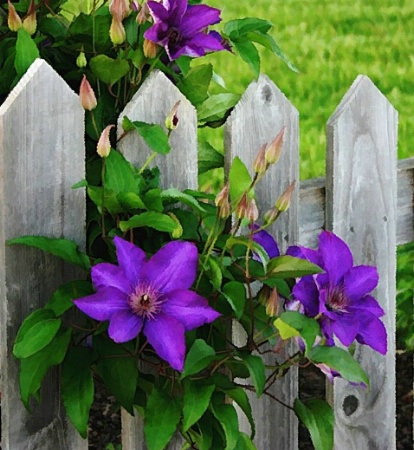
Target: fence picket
x,y
41,157
257,118
361,208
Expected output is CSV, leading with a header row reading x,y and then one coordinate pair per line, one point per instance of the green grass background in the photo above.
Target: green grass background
x,y
330,42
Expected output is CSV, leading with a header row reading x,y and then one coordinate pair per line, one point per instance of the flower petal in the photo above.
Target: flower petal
x,y
173,267
189,308
345,328
102,305
176,10
124,326
158,33
158,11
336,256
306,253
131,259
306,291
369,304
359,281
166,335
373,333
109,275
267,241
197,18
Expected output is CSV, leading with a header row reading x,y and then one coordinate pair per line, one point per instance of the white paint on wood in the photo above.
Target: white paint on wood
x,y
261,113
41,157
152,103
361,208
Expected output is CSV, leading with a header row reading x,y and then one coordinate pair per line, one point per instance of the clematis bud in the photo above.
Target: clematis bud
x,y
13,19
260,164
252,213
135,6
171,122
103,147
150,49
87,95
241,208
178,230
30,22
81,60
119,8
272,303
143,14
271,215
283,202
117,31
274,150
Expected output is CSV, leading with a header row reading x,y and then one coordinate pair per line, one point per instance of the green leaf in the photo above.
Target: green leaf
x,y
291,267
208,157
248,53
161,418
34,368
240,27
240,397
62,248
196,400
111,202
195,84
305,326
245,443
319,419
257,371
254,247
227,416
152,219
216,106
285,330
30,340
107,69
130,200
178,196
235,293
119,174
239,179
63,297
199,357
153,134
26,52
77,387
339,360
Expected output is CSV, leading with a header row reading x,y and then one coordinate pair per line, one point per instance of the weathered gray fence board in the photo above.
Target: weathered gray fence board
x,y
41,157
151,104
361,208
261,113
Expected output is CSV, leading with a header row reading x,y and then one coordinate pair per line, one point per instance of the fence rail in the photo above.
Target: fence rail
x,y
366,199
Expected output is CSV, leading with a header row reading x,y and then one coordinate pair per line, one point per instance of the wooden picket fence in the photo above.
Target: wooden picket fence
x,y
366,198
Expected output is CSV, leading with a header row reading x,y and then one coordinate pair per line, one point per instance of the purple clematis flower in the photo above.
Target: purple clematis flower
x,y
340,298
267,241
181,29
149,295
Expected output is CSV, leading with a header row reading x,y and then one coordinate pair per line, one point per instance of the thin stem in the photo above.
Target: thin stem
x,y
147,162
103,197
95,126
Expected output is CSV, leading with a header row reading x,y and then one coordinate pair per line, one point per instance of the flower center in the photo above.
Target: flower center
x,y
145,301
174,36
337,300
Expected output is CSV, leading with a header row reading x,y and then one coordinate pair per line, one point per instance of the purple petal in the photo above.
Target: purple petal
x,y
180,50
158,33
131,259
108,275
369,304
124,326
158,11
345,328
189,308
102,305
267,241
306,253
173,267
208,42
373,333
197,18
359,281
177,10
166,335
306,291
336,256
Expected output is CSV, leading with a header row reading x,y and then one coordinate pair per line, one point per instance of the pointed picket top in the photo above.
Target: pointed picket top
x,y
260,114
151,104
361,189
41,156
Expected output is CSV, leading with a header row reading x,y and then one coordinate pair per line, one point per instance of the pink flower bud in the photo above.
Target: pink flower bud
x,y
252,213
270,216
135,6
30,22
87,95
13,19
260,164
171,122
143,14
222,196
150,49
272,304
274,150
119,8
241,208
283,202
103,147
117,31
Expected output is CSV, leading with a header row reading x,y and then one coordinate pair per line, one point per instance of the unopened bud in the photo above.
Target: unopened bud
x,y
225,210
222,196
135,6
270,216
178,230
143,14
274,150
81,60
260,164
241,208
272,304
283,202
13,19
171,122
30,22
87,95
150,49
103,147
117,31
252,213
119,8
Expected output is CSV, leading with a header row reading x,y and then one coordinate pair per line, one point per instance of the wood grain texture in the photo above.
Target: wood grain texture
x,y
151,104
257,118
41,156
361,193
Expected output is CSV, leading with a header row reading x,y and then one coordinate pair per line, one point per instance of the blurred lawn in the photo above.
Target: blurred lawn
x,y
331,42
